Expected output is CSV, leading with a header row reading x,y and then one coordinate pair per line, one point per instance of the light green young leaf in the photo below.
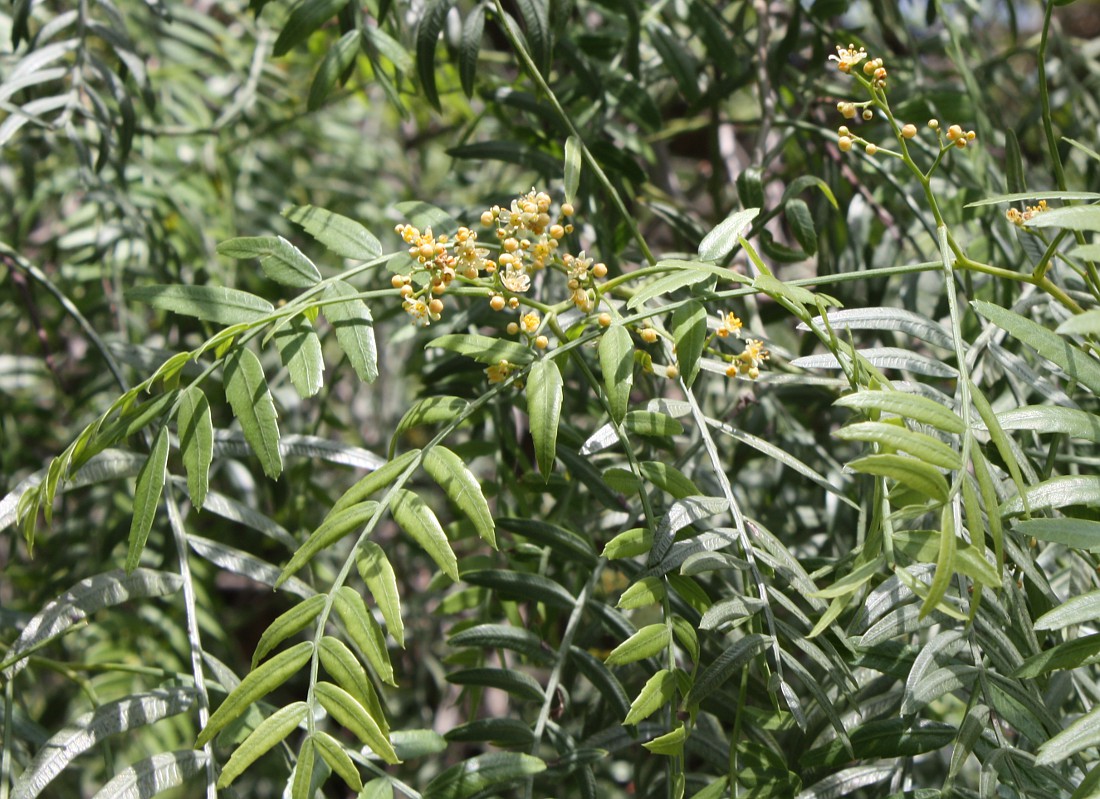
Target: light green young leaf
x,y
332,751
1087,323
919,445
248,395
300,352
306,17
89,729
909,471
380,788
573,159
380,478
287,624
484,349
270,732
418,520
715,675
617,364
689,331
647,642
654,695
259,682
82,600
342,236
1057,492
671,744
332,529
378,574
354,327
364,631
223,306
647,591
302,783
1066,655
342,665
678,279
150,486
913,406
945,563
346,711
629,544
652,423
196,433
1069,217
154,775
892,319
450,471
464,780
281,261
1078,364
545,392
721,241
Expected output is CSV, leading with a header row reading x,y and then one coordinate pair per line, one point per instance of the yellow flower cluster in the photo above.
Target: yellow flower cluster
x,y
1021,218
441,259
750,360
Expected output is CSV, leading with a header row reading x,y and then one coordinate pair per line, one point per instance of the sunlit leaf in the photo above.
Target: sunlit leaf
x,y
247,392
346,711
343,236
421,524
647,642
479,773
354,326
545,388
196,434
153,775
269,733
364,631
147,493
281,261
463,489
377,573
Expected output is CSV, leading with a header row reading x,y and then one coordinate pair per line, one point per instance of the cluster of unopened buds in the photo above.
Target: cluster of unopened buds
x,y
441,259
749,360
955,134
1021,218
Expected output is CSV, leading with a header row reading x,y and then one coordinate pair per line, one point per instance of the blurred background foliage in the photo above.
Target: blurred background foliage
x,y
136,135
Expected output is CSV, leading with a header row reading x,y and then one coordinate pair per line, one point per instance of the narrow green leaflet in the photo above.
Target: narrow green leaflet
x,y
1081,734
689,331
1087,323
545,391
150,486
81,601
92,727
427,38
1079,533
346,711
501,636
565,543
342,236
682,513
380,478
300,352
270,732
521,586
354,326
473,30
1078,364
484,349
196,434
333,528
628,544
655,694
364,631
305,18
909,471
259,682
418,520
463,780
670,744
801,221
647,591
517,683
573,158
677,279
302,784
342,665
945,564
332,752
1069,217
1052,419
335,63
287,624
281,261
652,423
721,241
1057,492
223,306
248,395
617,364
919,445
1066,655
377,573
1080,609
463,489
715,675
154,775
645,643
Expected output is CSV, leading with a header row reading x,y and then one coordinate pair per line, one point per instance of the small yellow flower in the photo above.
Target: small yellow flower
x,y
728,324
753,356
530,322
1021,219
515,280
499,372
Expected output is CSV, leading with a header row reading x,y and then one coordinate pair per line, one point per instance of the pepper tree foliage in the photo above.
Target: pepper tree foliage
x,y
747,454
